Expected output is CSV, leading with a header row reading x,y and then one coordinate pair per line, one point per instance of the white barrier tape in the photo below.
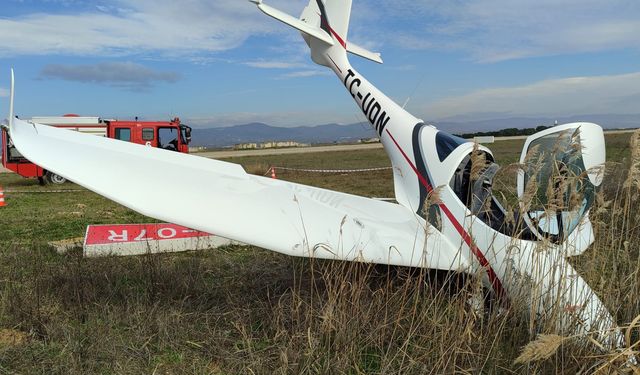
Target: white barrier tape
x,y
44,191
332,170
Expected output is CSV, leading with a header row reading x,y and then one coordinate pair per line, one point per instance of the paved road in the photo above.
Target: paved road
x,y
286,151
302,150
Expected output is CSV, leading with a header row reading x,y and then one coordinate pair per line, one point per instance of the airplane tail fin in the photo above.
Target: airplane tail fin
x,y
324,24
334,17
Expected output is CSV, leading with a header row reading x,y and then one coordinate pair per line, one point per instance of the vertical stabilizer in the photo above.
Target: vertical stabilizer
x,y
335,15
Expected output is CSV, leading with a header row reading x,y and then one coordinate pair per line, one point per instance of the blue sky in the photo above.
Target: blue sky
x,y
222,62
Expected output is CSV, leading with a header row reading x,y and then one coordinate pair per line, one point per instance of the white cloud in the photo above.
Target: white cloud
x,y
305,73
127,75
490,30
486,30
125,27
274,64
4,93
566,96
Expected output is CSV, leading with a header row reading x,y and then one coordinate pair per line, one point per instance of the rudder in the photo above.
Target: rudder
x,y
335,16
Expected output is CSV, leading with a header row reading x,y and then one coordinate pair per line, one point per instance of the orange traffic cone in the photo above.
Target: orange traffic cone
x,y
273,172
2,204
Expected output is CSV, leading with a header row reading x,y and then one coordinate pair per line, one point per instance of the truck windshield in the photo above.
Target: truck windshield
x,y
168,138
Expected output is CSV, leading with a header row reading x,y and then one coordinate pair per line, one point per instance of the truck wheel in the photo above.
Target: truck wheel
x,y
55,179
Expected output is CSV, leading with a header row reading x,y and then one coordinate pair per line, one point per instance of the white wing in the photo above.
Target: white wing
x,y
221,198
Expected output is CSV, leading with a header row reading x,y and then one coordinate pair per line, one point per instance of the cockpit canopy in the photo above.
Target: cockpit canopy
x,y
560,170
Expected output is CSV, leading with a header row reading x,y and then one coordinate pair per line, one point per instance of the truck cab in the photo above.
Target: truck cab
x,y
171,135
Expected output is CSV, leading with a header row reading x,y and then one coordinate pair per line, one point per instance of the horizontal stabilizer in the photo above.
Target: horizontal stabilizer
x,y
294,22
309,25
357,50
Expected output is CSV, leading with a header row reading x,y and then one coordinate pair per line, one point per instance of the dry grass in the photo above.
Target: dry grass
x,y
542,348
633,180
243,310
10,338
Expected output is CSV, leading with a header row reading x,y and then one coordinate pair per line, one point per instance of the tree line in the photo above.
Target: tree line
x,y
508,132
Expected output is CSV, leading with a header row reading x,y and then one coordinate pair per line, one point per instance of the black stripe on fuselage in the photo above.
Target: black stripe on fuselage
x,y
420,165
324,21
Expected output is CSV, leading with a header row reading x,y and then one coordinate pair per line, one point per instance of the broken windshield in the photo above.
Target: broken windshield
x,y
557,190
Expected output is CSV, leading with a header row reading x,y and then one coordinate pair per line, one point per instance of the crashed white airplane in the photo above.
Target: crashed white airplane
x,y
465,229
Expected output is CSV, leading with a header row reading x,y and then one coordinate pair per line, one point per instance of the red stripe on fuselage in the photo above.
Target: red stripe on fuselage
x,y
324,22
493,278
338,38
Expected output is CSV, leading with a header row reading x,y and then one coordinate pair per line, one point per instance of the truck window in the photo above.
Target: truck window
x,y
147,134
168,138
123,134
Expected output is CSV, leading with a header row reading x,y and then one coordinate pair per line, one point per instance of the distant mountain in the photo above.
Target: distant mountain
x,y
331,133
258,132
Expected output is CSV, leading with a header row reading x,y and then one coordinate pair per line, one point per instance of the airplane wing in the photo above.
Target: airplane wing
x,y
221,198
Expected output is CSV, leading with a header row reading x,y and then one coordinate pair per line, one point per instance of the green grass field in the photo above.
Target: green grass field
x,y
250,311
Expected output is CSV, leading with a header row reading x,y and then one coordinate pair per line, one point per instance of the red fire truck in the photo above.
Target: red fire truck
x,y
169,135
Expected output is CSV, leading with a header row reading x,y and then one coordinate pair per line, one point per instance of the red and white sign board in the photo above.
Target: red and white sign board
x,y
138,239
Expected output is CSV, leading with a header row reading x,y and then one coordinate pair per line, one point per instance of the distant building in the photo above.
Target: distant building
x,y
369,140
484,139
279,144
246,146
197,148
269,144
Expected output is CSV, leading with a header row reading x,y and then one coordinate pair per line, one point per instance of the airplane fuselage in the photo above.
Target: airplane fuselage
x,y
425,159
